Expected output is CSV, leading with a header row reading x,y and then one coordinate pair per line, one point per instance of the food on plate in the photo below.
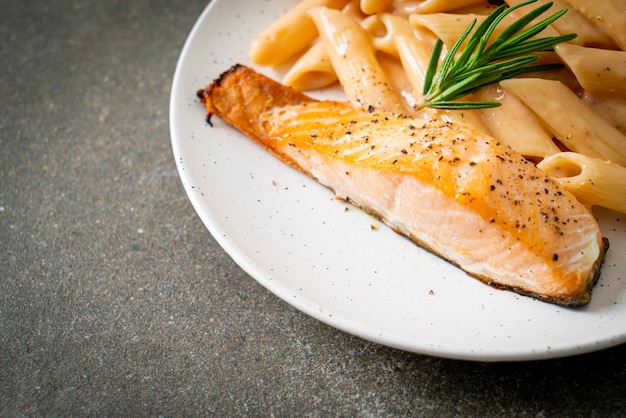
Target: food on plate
x,y
380,51
592,180
451,189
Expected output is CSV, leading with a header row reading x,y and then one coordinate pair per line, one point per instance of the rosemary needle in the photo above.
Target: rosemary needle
x,y
510,54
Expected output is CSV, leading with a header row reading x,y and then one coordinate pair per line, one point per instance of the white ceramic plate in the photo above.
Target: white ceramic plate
x,y
323,256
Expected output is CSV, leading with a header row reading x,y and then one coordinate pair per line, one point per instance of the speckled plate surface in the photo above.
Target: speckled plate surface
x,y
341,266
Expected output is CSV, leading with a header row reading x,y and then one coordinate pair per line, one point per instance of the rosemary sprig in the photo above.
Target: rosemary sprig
x,y
510,54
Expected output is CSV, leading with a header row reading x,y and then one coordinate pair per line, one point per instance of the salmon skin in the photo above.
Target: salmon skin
x,y
452,190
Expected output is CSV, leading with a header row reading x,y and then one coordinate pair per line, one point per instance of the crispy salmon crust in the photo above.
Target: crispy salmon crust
x,y
452,190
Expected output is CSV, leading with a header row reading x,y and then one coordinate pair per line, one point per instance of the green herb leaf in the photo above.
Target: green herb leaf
x,y
462,105
510,54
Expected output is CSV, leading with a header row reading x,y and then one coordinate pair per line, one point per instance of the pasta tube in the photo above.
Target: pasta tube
x,y
450,26
593,181
395,35
414,53
597,70
406,7
312,70
608,15
612,107
354,60
576,124
446,26
398,79
383,32
436,6
292,33
515,124
574,22
370,7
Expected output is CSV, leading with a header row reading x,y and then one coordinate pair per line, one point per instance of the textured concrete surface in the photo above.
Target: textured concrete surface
x,y
115,300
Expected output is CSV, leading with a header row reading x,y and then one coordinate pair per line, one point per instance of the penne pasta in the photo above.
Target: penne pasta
x,y
386,28
515,124
446,26
353,8
573,122
462,117
291,34
407,7
354,60
597,70
608,15
573,22
612,107
436,6
370,7
449,26
399,81
517,14
482,8
593,181
382,32
413,48
414,54
313,70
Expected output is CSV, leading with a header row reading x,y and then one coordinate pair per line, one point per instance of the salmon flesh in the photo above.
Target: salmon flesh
x,y
452,190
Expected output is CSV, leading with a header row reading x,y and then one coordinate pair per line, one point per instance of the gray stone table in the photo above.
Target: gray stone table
x,y
115,300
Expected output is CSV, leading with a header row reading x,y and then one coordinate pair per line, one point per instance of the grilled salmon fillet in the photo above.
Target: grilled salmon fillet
x,y
452,190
